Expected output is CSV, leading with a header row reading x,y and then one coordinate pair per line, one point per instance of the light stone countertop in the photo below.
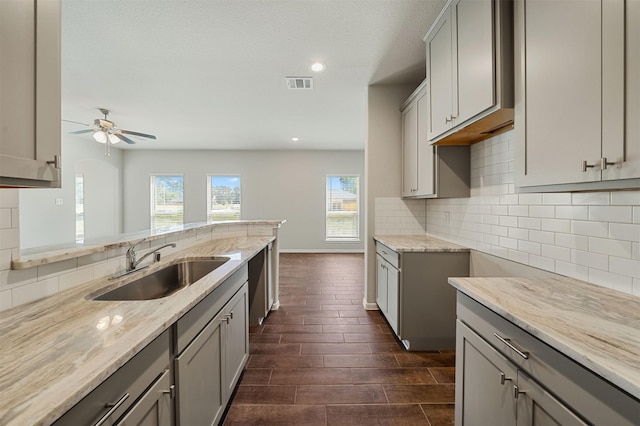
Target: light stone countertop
x,y
53,354
597,327
418,243
30,258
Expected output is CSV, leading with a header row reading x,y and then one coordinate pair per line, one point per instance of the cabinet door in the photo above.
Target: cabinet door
x,y
475,58
381,284
199,370
561,95
536,407
236,339
426,152
621,89
154,408
30,87
410,151
484,382
440,77
393,298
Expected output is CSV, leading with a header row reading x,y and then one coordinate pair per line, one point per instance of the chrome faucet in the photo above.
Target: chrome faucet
x,y
132,262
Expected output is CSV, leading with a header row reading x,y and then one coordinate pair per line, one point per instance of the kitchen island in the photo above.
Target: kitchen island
x,y
58,349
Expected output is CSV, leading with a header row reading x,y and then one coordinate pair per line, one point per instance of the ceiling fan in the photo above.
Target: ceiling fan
x,y
107,132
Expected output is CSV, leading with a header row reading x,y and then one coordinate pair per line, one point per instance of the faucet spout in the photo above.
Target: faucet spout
x,y
133,262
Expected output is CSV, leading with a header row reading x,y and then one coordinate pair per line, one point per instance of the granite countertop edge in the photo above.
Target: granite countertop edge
x,y
419,244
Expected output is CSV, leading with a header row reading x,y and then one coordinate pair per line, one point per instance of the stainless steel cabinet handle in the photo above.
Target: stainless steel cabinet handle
x,y
171,391
56,161
507,342
604,163
113,408
517,392
586,166
504,378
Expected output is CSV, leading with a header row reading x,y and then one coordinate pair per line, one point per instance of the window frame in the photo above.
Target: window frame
x,y
329,207
152,203
208,194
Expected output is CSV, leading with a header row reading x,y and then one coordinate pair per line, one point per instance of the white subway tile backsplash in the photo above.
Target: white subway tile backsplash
x,y
635,251
509,221
509,243
542,211
9,238
529,247
622,214
636,214
588,228
529,223
626,232
12,279
544,237
579,242
38,290
518,210
8,198
588,259
5,218
622,266
625,198
74,278
5,300
519,233
556,225
542,262
558,253
530,199
636,287
590,198
610,247
572,270
610,280
572,212
556,198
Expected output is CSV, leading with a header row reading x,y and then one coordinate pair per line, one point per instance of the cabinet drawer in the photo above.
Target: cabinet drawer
x,y
191,323
388,254
131,379
591,396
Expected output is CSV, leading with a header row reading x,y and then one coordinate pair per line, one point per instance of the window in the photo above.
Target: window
x,y
223,197
79,208
343,208
167,196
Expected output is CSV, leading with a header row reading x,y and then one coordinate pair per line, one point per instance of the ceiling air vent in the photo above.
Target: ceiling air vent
x,y
297,83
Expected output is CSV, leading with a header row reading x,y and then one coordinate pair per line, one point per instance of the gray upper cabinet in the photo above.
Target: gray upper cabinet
x,y
30,93
429,171
470,72
577,94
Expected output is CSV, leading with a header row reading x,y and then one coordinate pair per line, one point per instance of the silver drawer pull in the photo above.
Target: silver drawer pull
x,y
113,408
507,342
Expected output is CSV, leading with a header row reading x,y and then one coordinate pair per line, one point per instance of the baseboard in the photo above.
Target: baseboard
x,y
370,306
321,250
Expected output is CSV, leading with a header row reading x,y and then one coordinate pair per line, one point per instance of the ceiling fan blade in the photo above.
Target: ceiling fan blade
x,y
144,135
79,132
76,122
124,138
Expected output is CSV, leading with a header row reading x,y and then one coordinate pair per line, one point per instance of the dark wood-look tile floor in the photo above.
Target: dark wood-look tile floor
x,y
322,359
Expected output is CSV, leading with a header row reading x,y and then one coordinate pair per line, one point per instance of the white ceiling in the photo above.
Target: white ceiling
x,y
210,74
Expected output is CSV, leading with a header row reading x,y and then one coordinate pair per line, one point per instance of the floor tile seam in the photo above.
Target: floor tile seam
x,y
425,415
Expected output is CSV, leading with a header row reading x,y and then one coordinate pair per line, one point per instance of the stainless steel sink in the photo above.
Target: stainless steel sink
x,y
165,281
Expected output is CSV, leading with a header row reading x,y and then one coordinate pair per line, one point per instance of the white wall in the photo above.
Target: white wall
x,y
275,185
592,236
43,222
383,164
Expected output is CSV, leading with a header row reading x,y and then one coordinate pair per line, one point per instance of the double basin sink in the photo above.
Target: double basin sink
x,y
165,281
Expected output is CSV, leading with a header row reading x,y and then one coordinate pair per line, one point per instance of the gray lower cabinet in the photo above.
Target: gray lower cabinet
x,y
155,389
154,408
139,393
414,295
209,365
505,376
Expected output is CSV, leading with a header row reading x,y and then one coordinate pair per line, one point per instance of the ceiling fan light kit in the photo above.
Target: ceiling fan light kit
x,y
105,131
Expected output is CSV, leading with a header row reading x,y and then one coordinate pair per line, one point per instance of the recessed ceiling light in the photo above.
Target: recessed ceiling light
x,y
318,67
295,139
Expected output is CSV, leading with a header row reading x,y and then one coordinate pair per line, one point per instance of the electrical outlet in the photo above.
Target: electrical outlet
x,y
447,218
59,201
